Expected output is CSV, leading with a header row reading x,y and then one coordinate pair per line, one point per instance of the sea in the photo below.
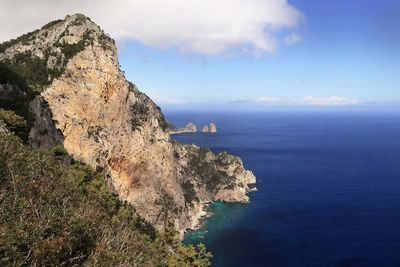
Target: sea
x,y
328,188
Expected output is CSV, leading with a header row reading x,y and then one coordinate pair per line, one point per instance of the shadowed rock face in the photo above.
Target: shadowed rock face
x,y
104,120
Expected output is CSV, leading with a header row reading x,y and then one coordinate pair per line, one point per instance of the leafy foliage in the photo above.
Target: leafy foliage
x,y
139,113
15,97
51,24
13,121
22,39
210,175
32,69
189,192
59,152
70,50
51,215
25,74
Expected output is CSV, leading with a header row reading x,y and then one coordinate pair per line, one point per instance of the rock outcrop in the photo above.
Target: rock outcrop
x,y
213,128
189,128
209,129
86,104
205,129
3,128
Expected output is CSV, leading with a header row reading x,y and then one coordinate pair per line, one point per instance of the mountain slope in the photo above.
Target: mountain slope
x,y
81,100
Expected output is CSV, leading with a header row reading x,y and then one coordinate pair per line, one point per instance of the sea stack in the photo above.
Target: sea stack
x,y
212,128
205,129
190,128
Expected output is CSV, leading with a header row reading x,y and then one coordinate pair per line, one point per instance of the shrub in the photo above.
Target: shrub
x,y
59,152
139,114
51,216
189,192
209,174
13,122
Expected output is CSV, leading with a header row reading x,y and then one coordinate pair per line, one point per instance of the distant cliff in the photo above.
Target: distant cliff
x,y
65,80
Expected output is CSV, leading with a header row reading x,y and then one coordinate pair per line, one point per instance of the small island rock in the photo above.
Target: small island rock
x,y
190,128
205,129
212,128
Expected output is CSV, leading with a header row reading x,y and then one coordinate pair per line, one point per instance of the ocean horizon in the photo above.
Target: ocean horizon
x,y
328,188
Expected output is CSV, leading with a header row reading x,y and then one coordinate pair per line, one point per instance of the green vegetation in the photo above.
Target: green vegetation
x,y
210,175
189,192
15,97
51,215
24,39
104,41
59,152
13,122
26,75
70,50
51,24
139,112
32,69
95,132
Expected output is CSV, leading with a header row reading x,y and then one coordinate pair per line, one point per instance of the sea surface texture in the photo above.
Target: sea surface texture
x,y
329,188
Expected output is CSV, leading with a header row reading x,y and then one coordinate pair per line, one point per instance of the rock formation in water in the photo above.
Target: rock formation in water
x,y
209,129
189,128
82,100
213,128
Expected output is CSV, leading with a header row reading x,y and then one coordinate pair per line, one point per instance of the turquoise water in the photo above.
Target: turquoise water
x,y
222,214
329,189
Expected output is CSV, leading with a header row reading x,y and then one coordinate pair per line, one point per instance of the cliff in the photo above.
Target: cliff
x,y
72,92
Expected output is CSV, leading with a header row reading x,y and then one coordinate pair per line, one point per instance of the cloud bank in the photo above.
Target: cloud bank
x,y
208,27
307,100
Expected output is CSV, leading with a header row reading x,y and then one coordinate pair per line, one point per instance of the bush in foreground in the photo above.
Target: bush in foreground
x,y
51,215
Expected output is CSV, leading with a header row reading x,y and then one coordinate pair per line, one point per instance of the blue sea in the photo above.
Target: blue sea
x,y
328,188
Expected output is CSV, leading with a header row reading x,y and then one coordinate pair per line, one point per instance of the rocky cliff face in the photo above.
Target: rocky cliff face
x,y
84,102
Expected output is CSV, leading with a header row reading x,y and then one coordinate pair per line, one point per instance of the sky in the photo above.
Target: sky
x,y
235,54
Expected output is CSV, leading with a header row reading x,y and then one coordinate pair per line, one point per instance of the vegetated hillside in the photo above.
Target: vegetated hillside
x,y
53,215
62,85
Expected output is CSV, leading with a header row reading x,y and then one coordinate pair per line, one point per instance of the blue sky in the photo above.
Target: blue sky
x,y
264,54
349,49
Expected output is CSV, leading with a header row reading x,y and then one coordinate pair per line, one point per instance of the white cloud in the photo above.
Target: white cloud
x,y
209,27
161,99
333,100
270,100
309,100
293,38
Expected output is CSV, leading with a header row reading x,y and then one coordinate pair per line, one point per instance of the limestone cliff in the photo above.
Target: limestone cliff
x,y
84,102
